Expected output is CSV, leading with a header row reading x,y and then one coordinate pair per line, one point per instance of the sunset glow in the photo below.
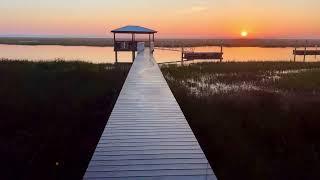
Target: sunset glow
x,y
244,34
180,18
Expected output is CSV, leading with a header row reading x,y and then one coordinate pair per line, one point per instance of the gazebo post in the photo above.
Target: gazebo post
x,y
153,42
133,48
114,42
150,40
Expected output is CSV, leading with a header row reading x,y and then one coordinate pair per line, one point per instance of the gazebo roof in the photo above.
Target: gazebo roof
x,y
134,29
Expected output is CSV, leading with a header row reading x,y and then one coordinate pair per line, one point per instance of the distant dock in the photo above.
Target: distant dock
x,y
147,135
306,52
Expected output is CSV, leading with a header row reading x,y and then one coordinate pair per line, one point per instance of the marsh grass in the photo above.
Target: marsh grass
x,y
254,133
269,76
182,72
52,115
303,81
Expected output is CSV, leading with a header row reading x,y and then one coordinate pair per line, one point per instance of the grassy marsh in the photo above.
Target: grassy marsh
x,y
52,115
255,120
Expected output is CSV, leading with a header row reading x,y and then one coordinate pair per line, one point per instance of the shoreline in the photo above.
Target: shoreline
x,y
173,43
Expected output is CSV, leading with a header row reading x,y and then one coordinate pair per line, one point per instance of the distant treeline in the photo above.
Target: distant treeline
x,y
107,42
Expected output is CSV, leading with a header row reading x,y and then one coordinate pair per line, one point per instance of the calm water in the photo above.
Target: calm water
x,y
106,54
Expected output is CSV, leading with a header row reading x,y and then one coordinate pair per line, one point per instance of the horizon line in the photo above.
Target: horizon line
x,y
191,37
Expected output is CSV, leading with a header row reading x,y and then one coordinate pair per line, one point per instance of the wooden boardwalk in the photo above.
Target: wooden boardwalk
x,y
147,135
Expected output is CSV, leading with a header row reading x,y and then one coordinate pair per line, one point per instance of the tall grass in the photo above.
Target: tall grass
x,y
52,115
182,72
255,134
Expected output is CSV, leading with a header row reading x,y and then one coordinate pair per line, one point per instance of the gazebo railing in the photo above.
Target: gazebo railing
x,y
125,46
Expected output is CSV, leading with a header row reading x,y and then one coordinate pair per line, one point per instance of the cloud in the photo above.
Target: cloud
x,y
199,9
193,10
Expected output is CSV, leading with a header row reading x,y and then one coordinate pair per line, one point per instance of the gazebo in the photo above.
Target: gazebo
x,y
122,45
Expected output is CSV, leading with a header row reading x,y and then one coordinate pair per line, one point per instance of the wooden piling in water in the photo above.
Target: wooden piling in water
x,y
116,54
294,58
221,51
315,56
182,53
305,52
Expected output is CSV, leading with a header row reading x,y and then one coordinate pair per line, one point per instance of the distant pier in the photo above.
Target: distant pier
x,y
306,52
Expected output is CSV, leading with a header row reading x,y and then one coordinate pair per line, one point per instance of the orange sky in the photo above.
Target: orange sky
x,y
178,18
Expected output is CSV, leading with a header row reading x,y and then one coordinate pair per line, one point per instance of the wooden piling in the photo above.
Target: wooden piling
x,y
295,55
133,50
182,51
221,51
315,56
305,52
116,54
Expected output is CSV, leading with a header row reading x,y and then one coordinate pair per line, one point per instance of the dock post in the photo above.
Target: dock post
x,y
154,44
305,52
221,51
114,42
315,56
116,54
295,54
182,52
133,55
133,48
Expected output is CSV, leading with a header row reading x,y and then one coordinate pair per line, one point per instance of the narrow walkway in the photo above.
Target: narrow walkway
x,y
147,135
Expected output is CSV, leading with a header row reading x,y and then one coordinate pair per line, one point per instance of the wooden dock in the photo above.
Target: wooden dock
x,y
306,52
147,135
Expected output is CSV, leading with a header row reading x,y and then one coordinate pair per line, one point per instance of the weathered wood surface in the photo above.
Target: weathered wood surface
x,y
147,135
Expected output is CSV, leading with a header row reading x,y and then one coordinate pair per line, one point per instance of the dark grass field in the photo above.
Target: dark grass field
x,y
269,132
52,115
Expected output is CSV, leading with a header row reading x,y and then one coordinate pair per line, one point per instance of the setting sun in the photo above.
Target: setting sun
x,y
244,33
